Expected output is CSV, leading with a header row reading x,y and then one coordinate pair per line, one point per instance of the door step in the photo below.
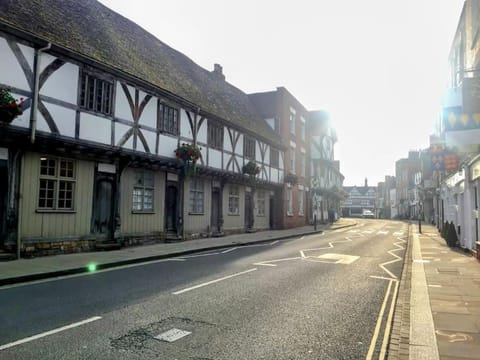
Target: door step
x,y
172,237
7,256
108,246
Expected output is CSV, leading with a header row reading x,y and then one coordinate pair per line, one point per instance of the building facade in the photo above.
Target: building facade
x,y
94,161
359,198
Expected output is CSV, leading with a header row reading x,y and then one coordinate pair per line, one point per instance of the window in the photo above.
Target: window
x,y
302,127
249,148
289,202
233,200
96,94
261,203
197,196
215,136
274,157
303,163
292,159
300,202
292,121
57,184
143,190
168,119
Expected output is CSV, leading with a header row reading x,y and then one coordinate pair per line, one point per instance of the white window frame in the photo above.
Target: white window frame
x,y
290,201
292,159
300,203
55,193
302,128
293,114
143,192
233,200
261,203
196,201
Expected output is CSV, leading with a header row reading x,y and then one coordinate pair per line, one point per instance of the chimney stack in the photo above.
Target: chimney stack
x,y
366,182
218,71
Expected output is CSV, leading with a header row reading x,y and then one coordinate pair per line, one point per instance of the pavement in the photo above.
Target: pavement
x,y
438,306
24,270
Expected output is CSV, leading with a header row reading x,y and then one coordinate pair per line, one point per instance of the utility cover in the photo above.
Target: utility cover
x,y
172,335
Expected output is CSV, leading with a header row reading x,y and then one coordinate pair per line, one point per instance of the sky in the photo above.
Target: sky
x,y
377,66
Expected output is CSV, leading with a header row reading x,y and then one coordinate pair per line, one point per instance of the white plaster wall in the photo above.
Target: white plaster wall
x,y
129,143
42,123
149,114
227,143
120,130
63,83
167,145
151,138
239,148
185,130
274,175
64,119
122,108
95,128
267,156
202,132
226,158
281,160
11,72
258,155
215,158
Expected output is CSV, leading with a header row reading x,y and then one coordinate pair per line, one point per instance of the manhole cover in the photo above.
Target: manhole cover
x,y
172,335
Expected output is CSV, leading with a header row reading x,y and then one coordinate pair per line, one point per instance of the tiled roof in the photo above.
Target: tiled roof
x,y
91,29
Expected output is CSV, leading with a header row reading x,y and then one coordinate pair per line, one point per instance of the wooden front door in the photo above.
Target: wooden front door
x,y
103,205
216,211
171,208
248,210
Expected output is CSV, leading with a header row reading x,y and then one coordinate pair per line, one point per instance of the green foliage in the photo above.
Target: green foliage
x,y
9,107
251,168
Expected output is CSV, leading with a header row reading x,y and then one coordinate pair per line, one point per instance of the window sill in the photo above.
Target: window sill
x,y
289,214
143,212
196,213
262,215
233,214
302,215
56,211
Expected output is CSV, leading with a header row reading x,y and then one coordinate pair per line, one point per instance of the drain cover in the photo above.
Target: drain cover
x,y
448,271
172,335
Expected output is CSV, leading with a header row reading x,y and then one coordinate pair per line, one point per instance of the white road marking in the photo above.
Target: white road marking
x,y
339,258
367,232
199,255
398,233
228,250
435,286
269,262
379,323
353,231
383,278
212,282
275,242
47,333
397,258
382,232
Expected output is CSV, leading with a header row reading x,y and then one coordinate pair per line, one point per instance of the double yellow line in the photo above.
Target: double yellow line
x,y
388,324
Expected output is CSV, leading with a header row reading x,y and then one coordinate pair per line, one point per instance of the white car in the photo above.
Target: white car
x,y
368,214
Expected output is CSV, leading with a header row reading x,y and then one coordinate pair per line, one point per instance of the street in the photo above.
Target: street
x,y
328,296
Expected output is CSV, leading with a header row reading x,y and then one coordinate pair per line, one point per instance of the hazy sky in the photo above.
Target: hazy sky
x,y
378,66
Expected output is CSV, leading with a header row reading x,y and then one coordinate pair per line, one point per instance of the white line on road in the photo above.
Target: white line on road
x,y
228,250
199,255
269,262
51,332
383,278
212,282
275,242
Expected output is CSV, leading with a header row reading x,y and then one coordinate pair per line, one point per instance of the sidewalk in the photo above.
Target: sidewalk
x,y
444,303
23,270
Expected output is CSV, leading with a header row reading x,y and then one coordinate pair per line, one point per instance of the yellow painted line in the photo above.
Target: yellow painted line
x,y
379,323
386,334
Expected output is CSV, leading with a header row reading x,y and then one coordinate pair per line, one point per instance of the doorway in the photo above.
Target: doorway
x,y
216,211
103,205
171,207
248,211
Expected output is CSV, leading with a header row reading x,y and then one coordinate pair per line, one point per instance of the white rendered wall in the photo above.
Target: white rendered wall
x,y
14,76
95,128
61,84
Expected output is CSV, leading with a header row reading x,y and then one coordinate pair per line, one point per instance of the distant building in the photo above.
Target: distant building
x,y
405,170
359,198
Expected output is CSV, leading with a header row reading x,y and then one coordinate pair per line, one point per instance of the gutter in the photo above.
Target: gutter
x,y
36,89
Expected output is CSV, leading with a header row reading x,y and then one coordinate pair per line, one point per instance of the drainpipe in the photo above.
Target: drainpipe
x,y
36,88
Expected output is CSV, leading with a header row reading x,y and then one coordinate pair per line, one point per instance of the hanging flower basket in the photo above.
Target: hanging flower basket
x,y
251,169
290,178
188,154
9,107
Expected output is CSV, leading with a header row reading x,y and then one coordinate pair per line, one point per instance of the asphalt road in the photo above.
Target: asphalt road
x,y
326,296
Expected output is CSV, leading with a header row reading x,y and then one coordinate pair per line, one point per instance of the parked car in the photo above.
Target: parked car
x,y
368,214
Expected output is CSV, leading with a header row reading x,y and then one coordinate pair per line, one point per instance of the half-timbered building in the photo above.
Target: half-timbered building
x,y
91,161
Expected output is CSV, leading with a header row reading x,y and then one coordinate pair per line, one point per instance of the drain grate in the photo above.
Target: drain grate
x,y
452,271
